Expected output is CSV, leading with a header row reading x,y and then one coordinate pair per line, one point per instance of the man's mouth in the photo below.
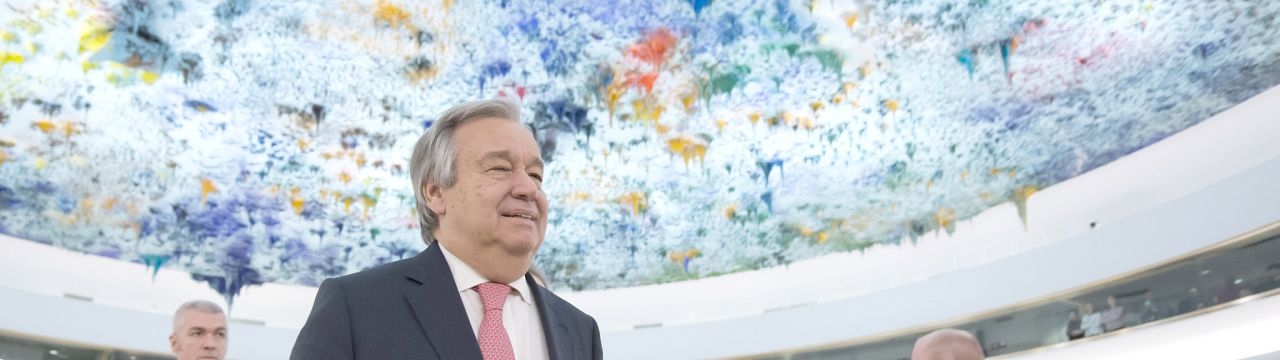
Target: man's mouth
x,y
525,216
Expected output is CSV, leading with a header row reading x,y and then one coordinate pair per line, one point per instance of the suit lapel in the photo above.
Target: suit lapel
x,y
435,301
553,326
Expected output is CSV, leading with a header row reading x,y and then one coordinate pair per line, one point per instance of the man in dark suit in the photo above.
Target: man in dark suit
x,y
477,176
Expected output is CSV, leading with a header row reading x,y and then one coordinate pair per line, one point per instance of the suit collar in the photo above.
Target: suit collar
x,y
554,327
433,295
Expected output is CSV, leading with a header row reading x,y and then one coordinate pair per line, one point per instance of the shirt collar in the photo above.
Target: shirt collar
x,y
467,278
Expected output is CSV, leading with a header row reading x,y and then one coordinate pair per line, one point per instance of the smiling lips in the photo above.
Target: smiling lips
x,y
520,215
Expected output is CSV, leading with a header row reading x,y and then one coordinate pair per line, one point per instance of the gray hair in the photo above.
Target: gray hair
x,y
435,152
203,306
948,344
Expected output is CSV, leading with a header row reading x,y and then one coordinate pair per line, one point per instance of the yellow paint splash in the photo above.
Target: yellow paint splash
x,y
679,256
850,19
46,126
892,105
687,148
638,201
7,58
946,219
1020,198
149,77
206,187
369,203
647,110
730,211
298,203
93,36
613,94
390,14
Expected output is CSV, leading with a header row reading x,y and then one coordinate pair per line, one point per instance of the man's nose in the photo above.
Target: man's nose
x,y
526,187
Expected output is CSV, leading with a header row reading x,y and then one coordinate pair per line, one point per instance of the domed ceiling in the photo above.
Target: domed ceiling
x,y
267,141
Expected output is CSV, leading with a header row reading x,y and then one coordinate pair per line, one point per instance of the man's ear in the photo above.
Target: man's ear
x,y
173,343
435,198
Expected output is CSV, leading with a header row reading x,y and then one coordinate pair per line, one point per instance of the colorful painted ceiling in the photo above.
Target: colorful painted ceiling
x,y
266,141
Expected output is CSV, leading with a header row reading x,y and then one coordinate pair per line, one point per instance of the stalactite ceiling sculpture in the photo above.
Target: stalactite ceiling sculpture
x,y
267,141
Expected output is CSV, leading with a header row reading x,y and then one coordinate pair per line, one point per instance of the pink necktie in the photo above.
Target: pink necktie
x,y
494,342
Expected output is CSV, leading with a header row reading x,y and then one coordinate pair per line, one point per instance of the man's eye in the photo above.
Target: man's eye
x,y
499,168
536,176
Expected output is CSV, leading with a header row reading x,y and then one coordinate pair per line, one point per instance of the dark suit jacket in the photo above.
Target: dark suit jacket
x,y
410,309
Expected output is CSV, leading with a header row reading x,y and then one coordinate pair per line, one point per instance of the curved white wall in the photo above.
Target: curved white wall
x,y
1208,183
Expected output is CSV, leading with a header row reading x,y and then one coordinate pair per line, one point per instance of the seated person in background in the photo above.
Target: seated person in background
x,y
1230,291
1091,322
1192,302
947,344
199,331
1111,317
1150,312
1272,280
1073,326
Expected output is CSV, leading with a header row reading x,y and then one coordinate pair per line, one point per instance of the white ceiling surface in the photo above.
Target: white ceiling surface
x,y
1231,143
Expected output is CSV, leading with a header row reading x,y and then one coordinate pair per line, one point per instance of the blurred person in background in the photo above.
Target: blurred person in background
x,y
1092,321
1272,280
1073,326
199,331
947,344
1112,317
1192,302
1150,311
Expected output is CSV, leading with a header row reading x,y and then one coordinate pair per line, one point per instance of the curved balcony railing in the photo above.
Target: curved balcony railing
x,y
1229,273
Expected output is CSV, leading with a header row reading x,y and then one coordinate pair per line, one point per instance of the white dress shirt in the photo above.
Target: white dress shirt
x,y
519,313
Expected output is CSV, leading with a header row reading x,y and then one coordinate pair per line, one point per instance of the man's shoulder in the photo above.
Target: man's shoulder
x,y
392,271
563,307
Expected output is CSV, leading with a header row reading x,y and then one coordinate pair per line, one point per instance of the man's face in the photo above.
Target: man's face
x,y
200,335
496,209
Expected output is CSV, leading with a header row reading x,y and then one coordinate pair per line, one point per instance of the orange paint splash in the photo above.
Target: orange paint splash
x,y
643,81
654,48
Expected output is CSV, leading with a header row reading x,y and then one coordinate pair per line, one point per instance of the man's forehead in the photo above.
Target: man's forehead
x,y
200,319
534,159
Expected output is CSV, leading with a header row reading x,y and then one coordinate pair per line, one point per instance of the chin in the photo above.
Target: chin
x,y
522,246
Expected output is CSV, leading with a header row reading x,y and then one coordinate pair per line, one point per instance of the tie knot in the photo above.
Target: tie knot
x,y
493,295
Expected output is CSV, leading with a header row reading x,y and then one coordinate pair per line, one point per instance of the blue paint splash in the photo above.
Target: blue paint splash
x,y
699,5
492,70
